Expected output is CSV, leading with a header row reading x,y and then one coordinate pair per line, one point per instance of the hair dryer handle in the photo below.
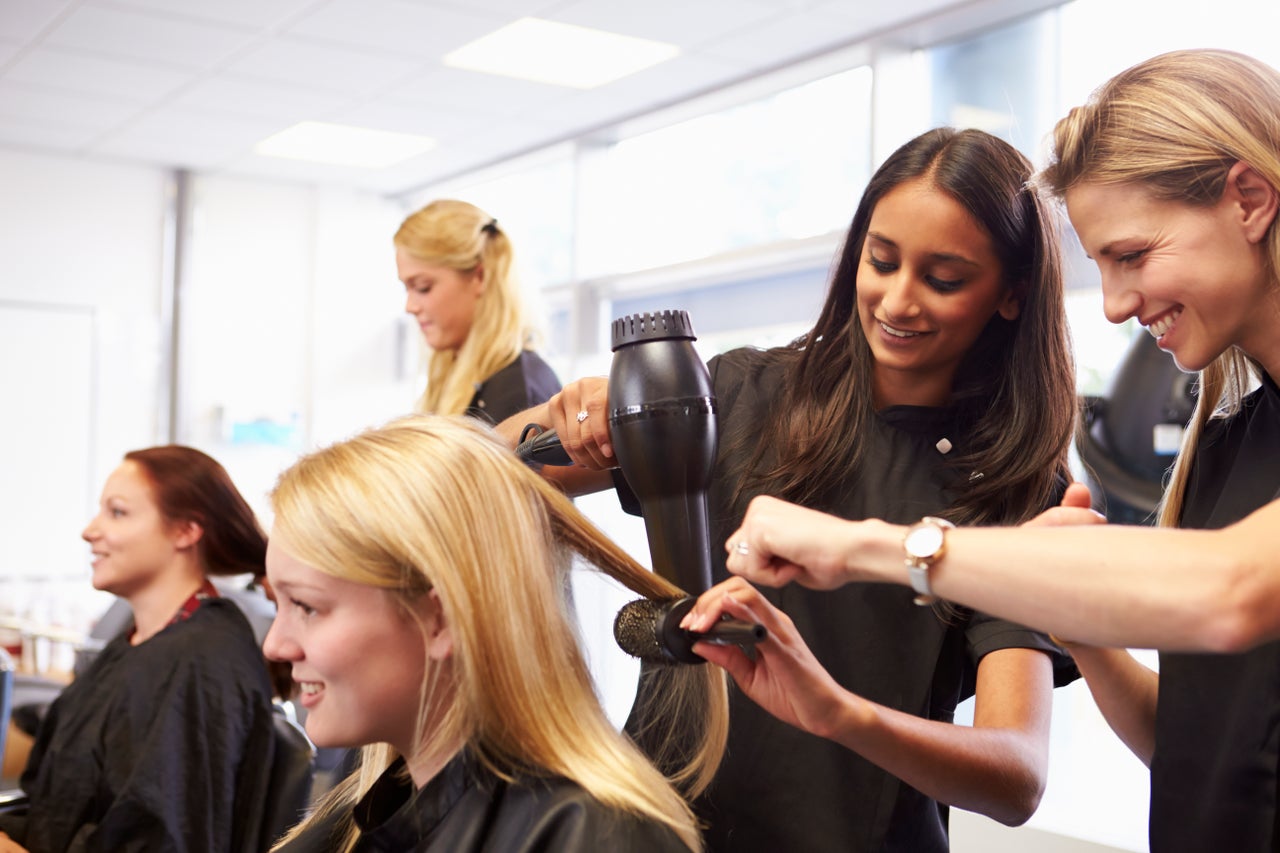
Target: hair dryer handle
x,y
543,449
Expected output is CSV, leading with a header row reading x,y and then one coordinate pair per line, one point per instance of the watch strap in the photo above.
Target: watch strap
x,y
918,566
918,572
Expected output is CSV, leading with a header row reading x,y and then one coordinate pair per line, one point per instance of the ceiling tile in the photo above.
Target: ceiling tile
x,y
142,36
180,124
236,95
19,101
498,141
323,67
677,22
196,139
870,17
792,37
509,9
474,91
24,19
89,74
395,25
194,154
38,136
405,176
657,86
435,122
256,14
8,50
272,168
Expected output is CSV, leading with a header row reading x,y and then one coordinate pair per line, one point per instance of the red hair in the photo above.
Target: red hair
x,y
189,485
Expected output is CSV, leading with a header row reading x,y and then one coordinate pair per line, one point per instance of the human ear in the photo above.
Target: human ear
x,y
1254,197
1009,306
436,627
186,534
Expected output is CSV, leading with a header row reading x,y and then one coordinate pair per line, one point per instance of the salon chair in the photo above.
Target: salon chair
x,y
6,696
1128,438
292,772
289,788
10,800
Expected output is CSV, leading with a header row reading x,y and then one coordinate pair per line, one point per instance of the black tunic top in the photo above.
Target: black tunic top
x,y
163,746
467,808
1216,765
780,788
523,383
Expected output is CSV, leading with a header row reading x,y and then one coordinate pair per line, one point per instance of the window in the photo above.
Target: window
x,y
786,167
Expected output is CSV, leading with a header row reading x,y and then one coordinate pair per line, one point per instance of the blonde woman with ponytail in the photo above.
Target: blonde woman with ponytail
x,y
420,572
457,266
1171,177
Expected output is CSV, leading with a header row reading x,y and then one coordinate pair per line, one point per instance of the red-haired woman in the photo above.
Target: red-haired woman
x,y
164,744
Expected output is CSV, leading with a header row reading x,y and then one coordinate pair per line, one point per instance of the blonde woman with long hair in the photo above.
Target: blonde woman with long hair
x,y
1171,177
420,572
457,267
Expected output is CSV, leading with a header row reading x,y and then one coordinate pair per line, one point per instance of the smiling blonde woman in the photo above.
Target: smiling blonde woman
x,y
421,575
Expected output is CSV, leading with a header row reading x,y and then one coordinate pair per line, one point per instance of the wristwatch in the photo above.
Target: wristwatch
x,y
925,542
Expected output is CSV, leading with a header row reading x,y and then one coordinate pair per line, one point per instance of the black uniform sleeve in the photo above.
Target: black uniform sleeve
x,y
987,634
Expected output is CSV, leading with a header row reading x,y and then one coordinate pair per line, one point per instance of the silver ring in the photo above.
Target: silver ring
x,y
582,416
741,547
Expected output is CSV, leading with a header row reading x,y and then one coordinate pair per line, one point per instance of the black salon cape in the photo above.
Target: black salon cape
x,y
467,809
1215,772
780,789
520,385
164,746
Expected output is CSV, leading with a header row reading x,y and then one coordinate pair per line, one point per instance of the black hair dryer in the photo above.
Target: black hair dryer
x,y
662,422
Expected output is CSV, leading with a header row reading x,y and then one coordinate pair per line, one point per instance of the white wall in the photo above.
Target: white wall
x,y
291,327
80,255
291,336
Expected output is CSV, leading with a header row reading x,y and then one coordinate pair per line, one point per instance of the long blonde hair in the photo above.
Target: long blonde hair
x,y
1175,125
462,237
433,502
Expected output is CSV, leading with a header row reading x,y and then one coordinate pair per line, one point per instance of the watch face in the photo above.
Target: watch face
x,y
924,541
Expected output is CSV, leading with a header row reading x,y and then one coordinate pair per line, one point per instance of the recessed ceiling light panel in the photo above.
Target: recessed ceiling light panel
x,y
343,145
559,54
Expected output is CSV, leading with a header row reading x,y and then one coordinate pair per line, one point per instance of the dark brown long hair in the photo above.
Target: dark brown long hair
x,y
189,485
1017,382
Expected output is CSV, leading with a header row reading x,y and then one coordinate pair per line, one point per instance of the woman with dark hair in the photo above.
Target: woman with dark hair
x,y
164,744
1170,173
937,381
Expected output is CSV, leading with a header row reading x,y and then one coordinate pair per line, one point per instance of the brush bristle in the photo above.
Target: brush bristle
x,y
635,629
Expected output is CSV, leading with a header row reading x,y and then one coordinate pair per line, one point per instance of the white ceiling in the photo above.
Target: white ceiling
x,y
196,83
